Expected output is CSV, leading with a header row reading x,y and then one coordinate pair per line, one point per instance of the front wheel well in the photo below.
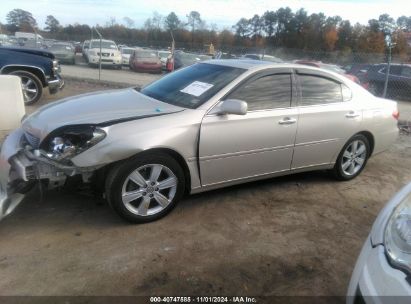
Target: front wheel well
x,y
101,174
35,71
177,156
371,140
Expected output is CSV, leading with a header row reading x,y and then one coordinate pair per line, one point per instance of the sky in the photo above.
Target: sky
x,y
223,13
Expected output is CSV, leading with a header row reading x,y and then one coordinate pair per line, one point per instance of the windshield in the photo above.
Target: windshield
x,y
192,86
104,45
163,54
146,54
127,51
60,47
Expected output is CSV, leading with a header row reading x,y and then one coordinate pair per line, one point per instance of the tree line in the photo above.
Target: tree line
x,y
282,28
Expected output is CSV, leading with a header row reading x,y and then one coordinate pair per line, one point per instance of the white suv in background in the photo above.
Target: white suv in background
x,y
110,55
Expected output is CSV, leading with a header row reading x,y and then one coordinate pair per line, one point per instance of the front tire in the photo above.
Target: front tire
x,y
352,158
146,187
31,86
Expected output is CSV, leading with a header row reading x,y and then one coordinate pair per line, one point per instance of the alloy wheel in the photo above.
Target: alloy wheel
x,y
149,189
30,89
354,157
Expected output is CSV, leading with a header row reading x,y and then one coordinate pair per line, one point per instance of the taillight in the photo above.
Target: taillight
x,y
170,64
396,114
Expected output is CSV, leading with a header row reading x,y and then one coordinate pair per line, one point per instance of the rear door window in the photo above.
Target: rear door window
x,y
319,90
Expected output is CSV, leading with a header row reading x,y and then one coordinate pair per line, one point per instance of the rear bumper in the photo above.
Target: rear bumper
x,y
55,85
147,68
9,199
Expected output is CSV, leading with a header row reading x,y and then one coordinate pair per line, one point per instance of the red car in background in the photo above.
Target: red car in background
x,y
142,60
329,67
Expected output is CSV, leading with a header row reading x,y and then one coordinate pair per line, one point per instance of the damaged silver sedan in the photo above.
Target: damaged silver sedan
x,y
210,125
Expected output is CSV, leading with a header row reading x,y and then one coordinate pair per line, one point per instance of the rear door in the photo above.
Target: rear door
x,y
328,117
234,147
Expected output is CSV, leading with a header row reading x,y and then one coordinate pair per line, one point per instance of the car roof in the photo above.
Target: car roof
x,y
62,43
105,40
251,64
247,64
255,65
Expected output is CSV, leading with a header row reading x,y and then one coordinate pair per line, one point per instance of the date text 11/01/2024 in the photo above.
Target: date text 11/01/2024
x,y
203,299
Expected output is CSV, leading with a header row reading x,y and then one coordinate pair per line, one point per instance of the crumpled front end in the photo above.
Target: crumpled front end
x,y
9,177
23,164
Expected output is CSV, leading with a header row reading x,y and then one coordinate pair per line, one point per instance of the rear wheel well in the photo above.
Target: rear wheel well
x,y
37,72
371,140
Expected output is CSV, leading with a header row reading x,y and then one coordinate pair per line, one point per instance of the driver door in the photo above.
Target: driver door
x,y
234,147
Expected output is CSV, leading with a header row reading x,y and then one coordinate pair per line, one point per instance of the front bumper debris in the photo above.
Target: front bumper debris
x,y
21,166
9,200
55,85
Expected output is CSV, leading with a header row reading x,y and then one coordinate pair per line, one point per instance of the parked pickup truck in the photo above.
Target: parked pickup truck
x,y
38,70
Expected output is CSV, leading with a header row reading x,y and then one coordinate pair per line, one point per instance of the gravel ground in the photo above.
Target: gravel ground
x,y
295,235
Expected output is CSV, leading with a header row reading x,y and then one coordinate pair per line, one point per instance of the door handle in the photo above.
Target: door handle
x,y
287,121
352,114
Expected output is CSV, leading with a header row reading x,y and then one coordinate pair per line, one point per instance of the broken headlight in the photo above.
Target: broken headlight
x,y
397,239
65,143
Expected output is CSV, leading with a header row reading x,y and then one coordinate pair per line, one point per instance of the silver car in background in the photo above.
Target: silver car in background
x,y
383,269
125,55
207,126
64,52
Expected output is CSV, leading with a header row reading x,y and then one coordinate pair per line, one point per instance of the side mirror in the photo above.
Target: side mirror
x,y
231,106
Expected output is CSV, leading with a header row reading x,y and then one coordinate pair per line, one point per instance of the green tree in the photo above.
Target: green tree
x,y
269,21
171,22
255,25
52,24
386,24
345,36
194,21
20,19
129,22
300,23
404,23
285,16
242,28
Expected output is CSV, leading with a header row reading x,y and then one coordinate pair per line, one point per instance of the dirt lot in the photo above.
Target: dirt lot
x,y
297,235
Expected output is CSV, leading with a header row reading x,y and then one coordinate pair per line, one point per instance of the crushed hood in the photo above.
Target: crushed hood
x,y
102,108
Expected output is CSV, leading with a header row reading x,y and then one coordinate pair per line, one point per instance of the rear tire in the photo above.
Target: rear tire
x,y
145,188
352,158
31,86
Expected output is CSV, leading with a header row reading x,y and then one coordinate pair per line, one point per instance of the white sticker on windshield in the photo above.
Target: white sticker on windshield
x,y
196,88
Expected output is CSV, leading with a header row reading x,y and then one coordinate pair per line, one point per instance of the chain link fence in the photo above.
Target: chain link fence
x,y
384,74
